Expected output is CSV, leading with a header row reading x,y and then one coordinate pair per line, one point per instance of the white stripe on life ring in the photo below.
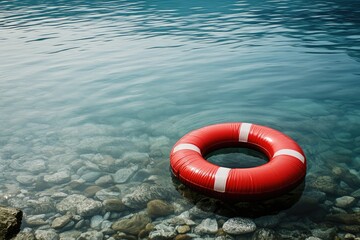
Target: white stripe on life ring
x,y
187,146
244,132
221,178
290,152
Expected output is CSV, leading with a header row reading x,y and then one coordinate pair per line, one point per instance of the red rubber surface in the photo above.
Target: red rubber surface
x,y
279,175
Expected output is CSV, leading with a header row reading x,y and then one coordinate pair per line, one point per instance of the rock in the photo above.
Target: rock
x,y
349,236
207,225
144,193
46,235
96,222
36,220
60,222
10,221
158,208
132,225
91,191
114,205
328,233
91,235
356,194
183,229
162,231
182,237
268,221
79,204
345,218
123,175
350,228
313,238
91,176
196,212
326,184
346,176
239,226
345,201
264,234
70,235
24,236
26,179
35,166
104,180
104,194
58,178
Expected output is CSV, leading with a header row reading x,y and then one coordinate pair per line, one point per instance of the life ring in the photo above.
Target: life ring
x,y
284,171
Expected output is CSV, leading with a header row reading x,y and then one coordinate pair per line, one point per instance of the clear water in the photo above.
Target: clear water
x,y
121,77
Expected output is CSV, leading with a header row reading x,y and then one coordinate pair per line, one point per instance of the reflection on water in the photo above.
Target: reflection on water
x,y
93,95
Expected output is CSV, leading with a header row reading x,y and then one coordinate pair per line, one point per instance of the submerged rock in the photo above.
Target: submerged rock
x,y
207,225
132,225
46,235
163,231
122,175
239,226
10,222
264,234
158,208
58,178
144,193
60,222
345,201
93,235
346,218
79,204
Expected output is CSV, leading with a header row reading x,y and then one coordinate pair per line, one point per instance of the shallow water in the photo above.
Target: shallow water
x,y
83,81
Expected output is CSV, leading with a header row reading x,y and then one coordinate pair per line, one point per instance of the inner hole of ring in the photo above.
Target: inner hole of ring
x,y
238,157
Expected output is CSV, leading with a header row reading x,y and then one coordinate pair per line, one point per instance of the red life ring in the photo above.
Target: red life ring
x,y
285,169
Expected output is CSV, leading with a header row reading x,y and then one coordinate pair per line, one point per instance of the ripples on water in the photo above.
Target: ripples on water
x,y
108,77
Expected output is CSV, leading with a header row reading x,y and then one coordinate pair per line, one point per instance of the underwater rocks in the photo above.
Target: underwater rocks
x,y
10,222
144,193
123,175
58,177
239,226
158,208
79,204
132,225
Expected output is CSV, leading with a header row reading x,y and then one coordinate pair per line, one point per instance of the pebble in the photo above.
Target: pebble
x,y
345,201
26,179
91,190
207,225
239,226
104,194
58,178
158,208
264,234
35,166
96,222
79,204
114,205
46,235
123,175
70,235
104,180
132,225
60,222
328,233
268,221
183,229
91,176
163,231
91,235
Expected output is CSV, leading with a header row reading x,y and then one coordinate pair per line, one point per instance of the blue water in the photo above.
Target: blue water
x,y
116,77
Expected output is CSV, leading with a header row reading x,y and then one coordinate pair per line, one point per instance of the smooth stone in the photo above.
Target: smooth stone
x,y
123,175
114,205
345,218
35,166
158,208
104,194
182,237
239,226
324,233
350,228
356,194
313,238
58,178
79,204
135,158
91,176
26,179
268,221
183,229
24,236
264,234
104,180
91,190
60,222
46,235
163,231
96,222
91,235
345,201
207,225
70,235
144,193
325,184
132,225
10,221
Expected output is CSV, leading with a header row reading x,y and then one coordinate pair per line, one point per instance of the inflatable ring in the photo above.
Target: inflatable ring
x,y
284,171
